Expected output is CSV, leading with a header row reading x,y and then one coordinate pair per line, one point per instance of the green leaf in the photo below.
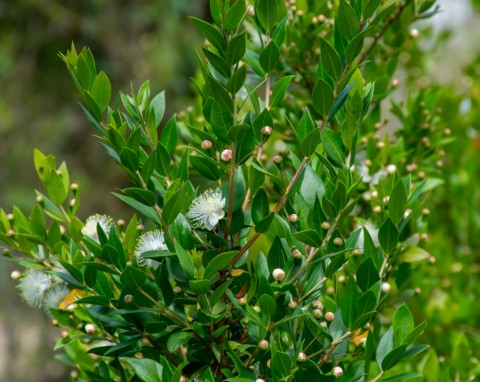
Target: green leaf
x,y
354,48
148,212
279,90
305,126
236,81
129,159
218,263
146,369
402,324
101,90
397,203
415,333
133,278
178,339
407,377
269,57
268,12
211,33
339,101
348,21
185,259
236,49
384,346
237,132
394,357
169,135
234,15
413,255
322,97
414,350
267,304
388,235
146,197
56,188
175,205
367,274
330,60
348,303
157,107
217,62
332,143
309,237
260,206
207,167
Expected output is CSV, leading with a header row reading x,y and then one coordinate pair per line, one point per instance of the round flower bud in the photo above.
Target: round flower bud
x,y
325,225
374,194
257,309
407,213
226,155
10,233
329,316
74,374
342,279
39,199
391,168
15,275
268,362
128,299
292,304
139,355
177,289
54,322
297,254
120,223
267,130
377,209
278,274
324,324
367,162
89,328
322,18
302,357
242,301
447,131
183,378
10,217
140,227
74,187
293,218
338,241
439,163
277,159
380,145
206,145
259,380
395,82
317,304
337,371
413,33
386,199
386,287
317,313
64,334
426,211
263,344
251,11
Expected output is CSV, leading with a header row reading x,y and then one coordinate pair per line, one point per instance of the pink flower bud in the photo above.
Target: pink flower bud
x,y
325,225
226,155
242,301
293,218
267,130
206,145
277,159
329,316
338,241
302,357
293,304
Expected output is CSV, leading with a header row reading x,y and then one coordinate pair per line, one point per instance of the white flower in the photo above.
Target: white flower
x,y
90,227
150,241
54,297
207,209
33,287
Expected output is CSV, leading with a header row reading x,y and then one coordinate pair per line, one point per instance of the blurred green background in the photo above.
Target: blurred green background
x,y
146,39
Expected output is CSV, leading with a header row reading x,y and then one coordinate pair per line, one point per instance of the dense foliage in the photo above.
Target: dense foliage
x,y
279,240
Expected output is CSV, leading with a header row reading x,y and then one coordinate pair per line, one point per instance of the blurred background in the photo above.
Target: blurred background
x,y
152,39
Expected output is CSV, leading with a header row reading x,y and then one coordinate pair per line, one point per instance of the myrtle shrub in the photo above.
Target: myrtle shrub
x,y
276,220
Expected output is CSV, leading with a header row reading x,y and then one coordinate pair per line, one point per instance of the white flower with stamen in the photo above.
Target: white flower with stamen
x,y
207,209
90,227
150,241
54,297
33,287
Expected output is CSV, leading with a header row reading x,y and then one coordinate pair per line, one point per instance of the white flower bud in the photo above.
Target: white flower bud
x,y
395,82
325,225
377,209
206,145
302,357
317,313
297,254
413,33
89,329
226,155
329,316
391,168
278,274
259,380
292,304
337,371
277,159
242,301
257,309
317,304
338,241
386,287
15,275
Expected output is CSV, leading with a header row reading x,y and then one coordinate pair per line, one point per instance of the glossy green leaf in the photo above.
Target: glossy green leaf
x,y
236,49
101,90
169,135
330,60
347,20
269,57
234,15
367,274
211,33
268,12
260,206
332,143
388,235
279,90
322,97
